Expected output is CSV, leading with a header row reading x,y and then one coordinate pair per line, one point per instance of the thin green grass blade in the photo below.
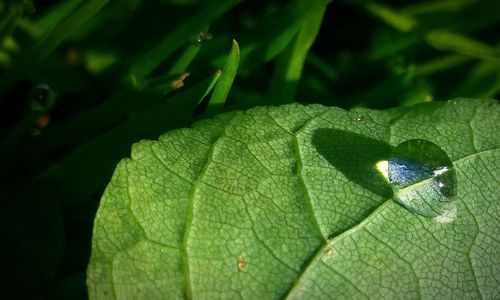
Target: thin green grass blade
x,y
172,113
8,21
225,82
51,41
164,84
60,32
272,36
289,69
448,41
182,63
269,37
397,20
146,63
482,81
56,15
322,66
210,87
428,7
480,16
443,63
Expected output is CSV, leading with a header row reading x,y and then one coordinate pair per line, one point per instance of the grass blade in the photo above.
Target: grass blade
x,y
441,64
215,79
62,31
397,20
9,21
146,63
447,41
51,41
56,15
95,166
276,32
186,58
427,7
483,81
322,66
225,81
289,68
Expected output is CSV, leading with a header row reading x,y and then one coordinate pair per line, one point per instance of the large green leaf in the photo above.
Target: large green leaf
x,y
286,202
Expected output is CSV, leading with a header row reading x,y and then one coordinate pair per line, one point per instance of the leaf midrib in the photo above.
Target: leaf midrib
x,y
329,243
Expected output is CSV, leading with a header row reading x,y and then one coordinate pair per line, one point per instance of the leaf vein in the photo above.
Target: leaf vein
x,y
470,249
189,222
400,257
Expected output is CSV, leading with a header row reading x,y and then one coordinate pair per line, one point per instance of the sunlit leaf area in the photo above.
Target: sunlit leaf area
x,y
82,81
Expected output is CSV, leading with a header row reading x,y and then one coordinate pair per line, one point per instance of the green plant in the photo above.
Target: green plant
x,y
81,81
287,202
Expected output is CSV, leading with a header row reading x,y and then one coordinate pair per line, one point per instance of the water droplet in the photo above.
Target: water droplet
x,y
203,35
358,118
42,97
422,177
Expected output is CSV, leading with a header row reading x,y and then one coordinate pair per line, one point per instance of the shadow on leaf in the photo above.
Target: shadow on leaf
x,y
355,156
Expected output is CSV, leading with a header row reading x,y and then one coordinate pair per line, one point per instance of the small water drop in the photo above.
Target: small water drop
x,y
358,118
203,35
41,97
422,177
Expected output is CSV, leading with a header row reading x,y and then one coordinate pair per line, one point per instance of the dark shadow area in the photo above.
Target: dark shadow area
x,y
355,156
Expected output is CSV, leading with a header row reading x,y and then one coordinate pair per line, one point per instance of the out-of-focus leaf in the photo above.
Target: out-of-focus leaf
x,y
458,43
51,41
56,15
8,21
395,19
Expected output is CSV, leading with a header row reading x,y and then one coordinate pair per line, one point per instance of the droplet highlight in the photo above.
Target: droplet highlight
x,y
358,118
422,177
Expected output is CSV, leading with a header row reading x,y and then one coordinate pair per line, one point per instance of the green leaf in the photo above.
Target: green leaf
x,y
287,202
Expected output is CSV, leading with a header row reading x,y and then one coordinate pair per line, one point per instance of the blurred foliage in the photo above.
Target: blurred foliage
x,y
80,81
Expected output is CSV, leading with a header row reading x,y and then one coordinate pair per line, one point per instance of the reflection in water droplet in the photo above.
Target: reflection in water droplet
x,y
383,167
423,178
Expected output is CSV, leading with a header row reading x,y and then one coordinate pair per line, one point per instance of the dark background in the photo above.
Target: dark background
x,y
69,110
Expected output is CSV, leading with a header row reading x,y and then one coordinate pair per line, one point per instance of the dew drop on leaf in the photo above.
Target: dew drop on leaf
x,y
422,177
357,118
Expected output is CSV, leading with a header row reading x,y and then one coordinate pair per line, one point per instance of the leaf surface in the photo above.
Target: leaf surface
x,y
286,202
